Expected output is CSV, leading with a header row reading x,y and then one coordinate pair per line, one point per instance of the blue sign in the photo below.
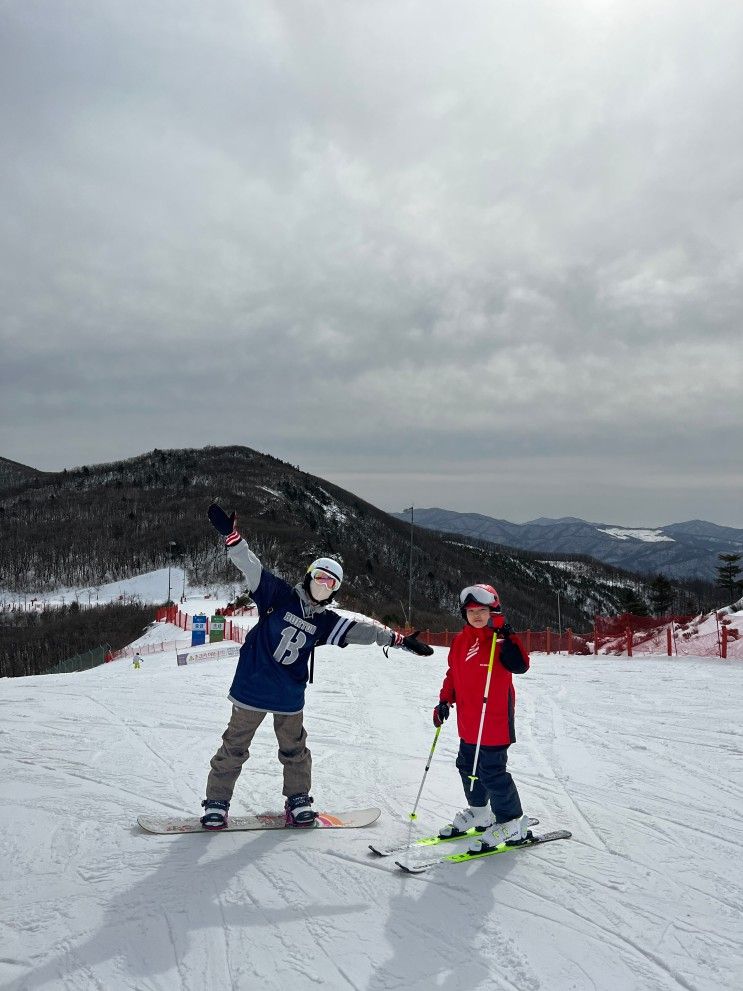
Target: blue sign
x,y
198,631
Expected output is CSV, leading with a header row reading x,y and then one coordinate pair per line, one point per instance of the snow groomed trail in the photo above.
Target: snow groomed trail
x,y
639,758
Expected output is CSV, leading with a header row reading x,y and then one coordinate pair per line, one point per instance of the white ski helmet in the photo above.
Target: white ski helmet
x,y
330,566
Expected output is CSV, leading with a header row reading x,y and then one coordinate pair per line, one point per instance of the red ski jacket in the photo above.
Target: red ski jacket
x,y
464,685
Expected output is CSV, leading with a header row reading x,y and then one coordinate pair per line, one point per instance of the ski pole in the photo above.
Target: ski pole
x,y
473,776
430,758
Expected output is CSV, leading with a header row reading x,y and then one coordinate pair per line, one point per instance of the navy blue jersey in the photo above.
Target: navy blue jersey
x,y
273,667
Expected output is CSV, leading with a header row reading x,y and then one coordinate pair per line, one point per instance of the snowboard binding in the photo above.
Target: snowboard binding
x,y
298,811
215,813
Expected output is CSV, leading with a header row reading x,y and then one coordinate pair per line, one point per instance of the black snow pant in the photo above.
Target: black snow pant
x,y
494,784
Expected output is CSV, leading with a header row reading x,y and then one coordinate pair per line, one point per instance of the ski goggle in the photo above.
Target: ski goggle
x,y
324,578
479,597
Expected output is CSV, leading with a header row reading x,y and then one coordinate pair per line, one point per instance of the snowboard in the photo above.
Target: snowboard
x,y
352,819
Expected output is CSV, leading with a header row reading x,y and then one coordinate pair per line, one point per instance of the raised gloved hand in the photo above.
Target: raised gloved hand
x,y
412,644
440,713
224,524
505,631
416,646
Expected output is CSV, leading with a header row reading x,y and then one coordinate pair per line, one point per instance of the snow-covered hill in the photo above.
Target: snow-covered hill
x,y
640,758
151,586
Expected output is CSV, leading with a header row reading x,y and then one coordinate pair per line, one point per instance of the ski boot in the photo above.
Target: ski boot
x,y
478,817
215,813
512,833
298,811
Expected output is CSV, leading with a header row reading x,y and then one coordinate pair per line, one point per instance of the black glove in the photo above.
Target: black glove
x,y
224,524
440,713
505,631
416,646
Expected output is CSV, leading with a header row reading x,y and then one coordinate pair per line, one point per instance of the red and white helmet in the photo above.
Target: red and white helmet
x,y
477,596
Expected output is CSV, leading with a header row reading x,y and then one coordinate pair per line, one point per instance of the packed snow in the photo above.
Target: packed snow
x,y
640,758
152,587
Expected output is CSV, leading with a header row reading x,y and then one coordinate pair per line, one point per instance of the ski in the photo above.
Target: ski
x,y
388,851
459,858
352,819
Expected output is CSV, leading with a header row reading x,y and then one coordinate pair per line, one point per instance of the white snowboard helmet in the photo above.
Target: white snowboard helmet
x,y
327,567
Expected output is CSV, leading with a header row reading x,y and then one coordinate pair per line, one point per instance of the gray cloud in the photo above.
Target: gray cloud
x,y
482,256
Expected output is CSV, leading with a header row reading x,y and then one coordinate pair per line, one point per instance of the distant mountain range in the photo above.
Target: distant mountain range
x,y
680,550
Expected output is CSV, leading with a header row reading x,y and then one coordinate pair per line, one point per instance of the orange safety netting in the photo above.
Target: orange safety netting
x,y
627,634
677,635
712,635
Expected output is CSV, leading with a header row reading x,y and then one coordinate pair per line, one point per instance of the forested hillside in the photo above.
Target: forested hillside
x,y
100,523
34,642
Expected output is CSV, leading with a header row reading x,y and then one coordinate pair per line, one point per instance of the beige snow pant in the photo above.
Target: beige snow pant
x,y
228,761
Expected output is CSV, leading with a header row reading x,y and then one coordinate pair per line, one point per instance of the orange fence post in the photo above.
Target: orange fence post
x,y
669,643
629,642
570,641
549,640
528,641
724,642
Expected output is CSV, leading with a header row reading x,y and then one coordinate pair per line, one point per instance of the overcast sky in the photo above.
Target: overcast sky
x,y
479,255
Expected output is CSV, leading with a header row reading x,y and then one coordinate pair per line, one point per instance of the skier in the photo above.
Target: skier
x,y
484,655
272,671
137,662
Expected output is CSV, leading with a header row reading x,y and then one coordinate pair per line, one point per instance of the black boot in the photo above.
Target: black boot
x,y
215,813
298,811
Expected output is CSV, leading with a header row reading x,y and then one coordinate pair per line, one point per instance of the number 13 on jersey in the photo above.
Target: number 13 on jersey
x,y
292,641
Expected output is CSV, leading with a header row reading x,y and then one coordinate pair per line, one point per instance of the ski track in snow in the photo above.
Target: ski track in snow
x,y
640,758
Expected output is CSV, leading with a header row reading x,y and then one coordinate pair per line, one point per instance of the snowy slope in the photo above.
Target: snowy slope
x,y
641,758
151,586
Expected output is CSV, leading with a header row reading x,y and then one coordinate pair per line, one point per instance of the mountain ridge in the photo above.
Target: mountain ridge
x,y
99,523
679,550
13,473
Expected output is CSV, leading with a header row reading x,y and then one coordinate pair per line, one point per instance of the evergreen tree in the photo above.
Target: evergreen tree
x,y
728,575
633,603
661,595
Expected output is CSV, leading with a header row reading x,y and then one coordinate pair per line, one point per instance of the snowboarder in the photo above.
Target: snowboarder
x,y
137,662
272,671
482,660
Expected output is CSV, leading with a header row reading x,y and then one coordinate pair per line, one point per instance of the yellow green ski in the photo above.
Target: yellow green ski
x,y
387,851
532,840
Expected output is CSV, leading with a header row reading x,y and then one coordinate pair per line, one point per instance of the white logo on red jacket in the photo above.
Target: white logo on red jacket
x,y
472,652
